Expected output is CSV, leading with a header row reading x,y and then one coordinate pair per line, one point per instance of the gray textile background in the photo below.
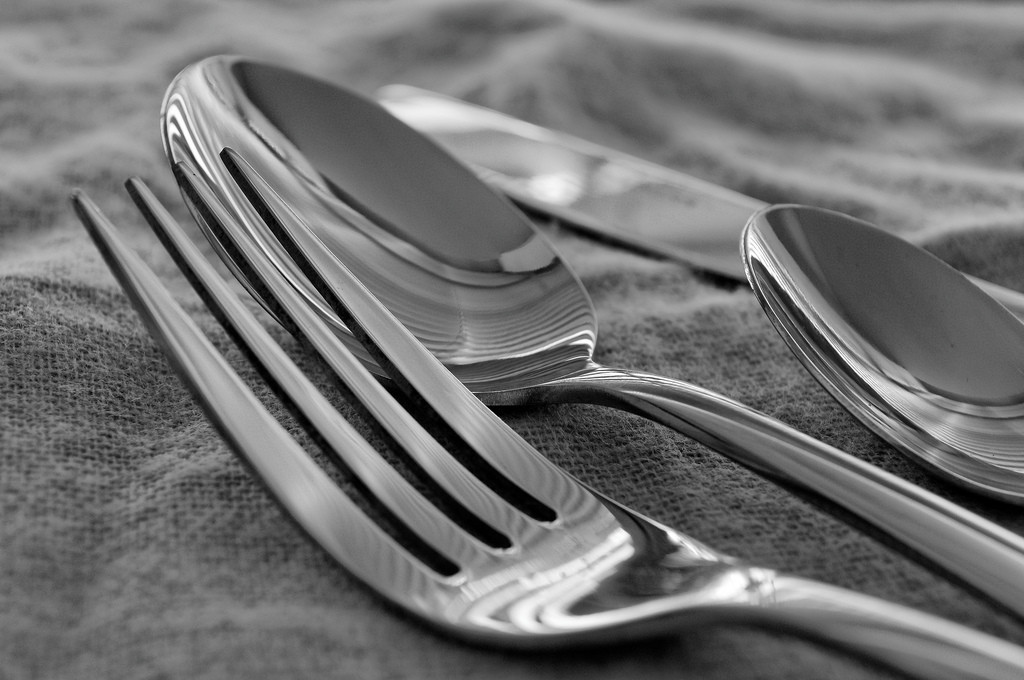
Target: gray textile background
x,y
133,545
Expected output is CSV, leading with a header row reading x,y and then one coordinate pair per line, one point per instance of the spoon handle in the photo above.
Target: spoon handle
x,y
979,554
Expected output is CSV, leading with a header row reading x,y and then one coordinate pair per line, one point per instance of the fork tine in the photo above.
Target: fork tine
x,y
478,509
438,393
305,491
366,464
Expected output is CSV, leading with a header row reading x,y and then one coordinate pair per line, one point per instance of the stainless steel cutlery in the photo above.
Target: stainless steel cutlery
x,y
389,259
516,553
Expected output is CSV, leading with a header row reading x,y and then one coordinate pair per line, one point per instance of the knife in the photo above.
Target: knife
x,y
613,196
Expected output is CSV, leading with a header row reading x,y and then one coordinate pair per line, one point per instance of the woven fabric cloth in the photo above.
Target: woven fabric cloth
x,y
132,542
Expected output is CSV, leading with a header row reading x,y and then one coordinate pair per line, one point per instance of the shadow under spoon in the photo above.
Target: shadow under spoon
x,y
474,280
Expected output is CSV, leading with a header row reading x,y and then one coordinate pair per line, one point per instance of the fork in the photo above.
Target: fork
x,y
489,542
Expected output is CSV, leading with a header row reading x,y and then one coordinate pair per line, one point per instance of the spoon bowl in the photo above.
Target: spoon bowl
x,y
476,283
925,358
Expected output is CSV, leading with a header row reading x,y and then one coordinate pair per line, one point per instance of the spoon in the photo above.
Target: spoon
x,y
473,279
921,355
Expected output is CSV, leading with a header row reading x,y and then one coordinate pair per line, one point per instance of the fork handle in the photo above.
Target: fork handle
x,y
979,554
916,643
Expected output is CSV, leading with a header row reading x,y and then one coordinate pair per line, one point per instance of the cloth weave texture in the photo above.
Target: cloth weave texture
x,y
134,545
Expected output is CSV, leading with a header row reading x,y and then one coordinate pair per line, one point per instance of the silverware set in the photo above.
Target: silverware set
x,y
430,296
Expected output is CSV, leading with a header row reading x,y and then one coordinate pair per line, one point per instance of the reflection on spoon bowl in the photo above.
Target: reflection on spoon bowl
x,y
913,348
474,281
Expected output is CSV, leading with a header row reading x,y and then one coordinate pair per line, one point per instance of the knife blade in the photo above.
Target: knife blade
x,y
613,196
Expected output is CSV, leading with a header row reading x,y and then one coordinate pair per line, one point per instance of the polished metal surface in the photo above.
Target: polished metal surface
x,y
921,355
536,343
617,197
944,536
591,572
599,191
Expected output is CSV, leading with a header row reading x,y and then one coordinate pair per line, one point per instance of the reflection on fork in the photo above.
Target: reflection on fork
x,y
488,541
